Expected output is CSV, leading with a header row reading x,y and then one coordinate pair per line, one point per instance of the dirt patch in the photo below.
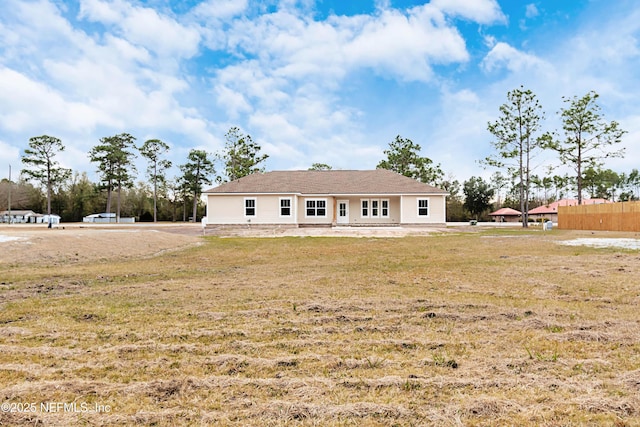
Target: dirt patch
x,y
30,245
604,242
325,231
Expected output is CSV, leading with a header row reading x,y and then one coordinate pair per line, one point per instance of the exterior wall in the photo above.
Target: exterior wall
x,y
122,220
506,218
409,209
355,210
552,216
230,209
329,217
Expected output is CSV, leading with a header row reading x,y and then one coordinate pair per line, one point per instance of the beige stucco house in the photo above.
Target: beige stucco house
x,y
325,198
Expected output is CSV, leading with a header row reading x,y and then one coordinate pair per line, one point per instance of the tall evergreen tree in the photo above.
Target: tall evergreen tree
x,y
152,150
588,137
320,167
516,142
114,157
41,166
403,157
241,156
196,172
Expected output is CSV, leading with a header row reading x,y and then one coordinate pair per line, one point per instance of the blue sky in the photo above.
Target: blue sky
x,y
325,81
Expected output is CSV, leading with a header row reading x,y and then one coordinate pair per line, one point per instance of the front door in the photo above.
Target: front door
x,y
343,212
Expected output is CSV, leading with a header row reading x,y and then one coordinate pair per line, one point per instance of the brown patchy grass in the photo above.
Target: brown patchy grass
x,y
492,328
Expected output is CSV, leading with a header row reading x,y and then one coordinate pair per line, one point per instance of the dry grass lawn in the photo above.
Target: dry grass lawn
x,y
494,327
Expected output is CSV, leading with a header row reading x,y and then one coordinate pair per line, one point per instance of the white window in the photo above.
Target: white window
x,y
364,211
285,207
375,208
249,207
316,207
423,207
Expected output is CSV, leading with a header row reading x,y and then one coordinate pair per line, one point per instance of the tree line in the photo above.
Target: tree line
x,y
73,195
520,142
519,139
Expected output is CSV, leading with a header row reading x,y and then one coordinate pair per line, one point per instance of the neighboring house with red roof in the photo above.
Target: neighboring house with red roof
x,y
506,215
550,211
325,198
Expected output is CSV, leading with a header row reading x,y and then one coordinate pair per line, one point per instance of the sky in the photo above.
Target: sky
x,y
311,81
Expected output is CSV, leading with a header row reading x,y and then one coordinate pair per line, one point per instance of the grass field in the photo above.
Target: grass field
x,y
497,327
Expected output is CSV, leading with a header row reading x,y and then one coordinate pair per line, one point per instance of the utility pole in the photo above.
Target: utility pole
x,y
9,201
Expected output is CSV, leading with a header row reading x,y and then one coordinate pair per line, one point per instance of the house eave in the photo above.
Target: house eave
x,y
213,193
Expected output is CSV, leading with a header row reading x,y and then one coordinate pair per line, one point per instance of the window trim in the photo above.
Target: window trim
x,y
365,208
254,207
384,205
423,207
375,208
280,200
315,208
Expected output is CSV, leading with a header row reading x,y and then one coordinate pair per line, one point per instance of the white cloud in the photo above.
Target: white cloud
x,y
10,155
26,102
144,27
99,11
296,66
480,11
392,43
232,101
460,136
503,55
254,83
631,143
32,29
84,88
126,50
219,9
404,46
531,11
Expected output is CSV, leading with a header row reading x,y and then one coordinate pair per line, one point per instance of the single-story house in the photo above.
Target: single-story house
x,y
107,218
22,217
550,212
45,219
325,198
506,215
17,216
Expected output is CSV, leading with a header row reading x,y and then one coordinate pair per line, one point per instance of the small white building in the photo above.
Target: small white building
x,y
50,219
107,218
25,216
16,216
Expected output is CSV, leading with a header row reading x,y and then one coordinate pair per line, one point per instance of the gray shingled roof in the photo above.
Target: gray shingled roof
x,y
379,181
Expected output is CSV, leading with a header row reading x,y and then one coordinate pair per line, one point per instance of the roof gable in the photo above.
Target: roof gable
x,y
379,181
505,212
18,212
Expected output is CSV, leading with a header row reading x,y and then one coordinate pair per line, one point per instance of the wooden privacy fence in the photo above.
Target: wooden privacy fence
x,y
622,216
